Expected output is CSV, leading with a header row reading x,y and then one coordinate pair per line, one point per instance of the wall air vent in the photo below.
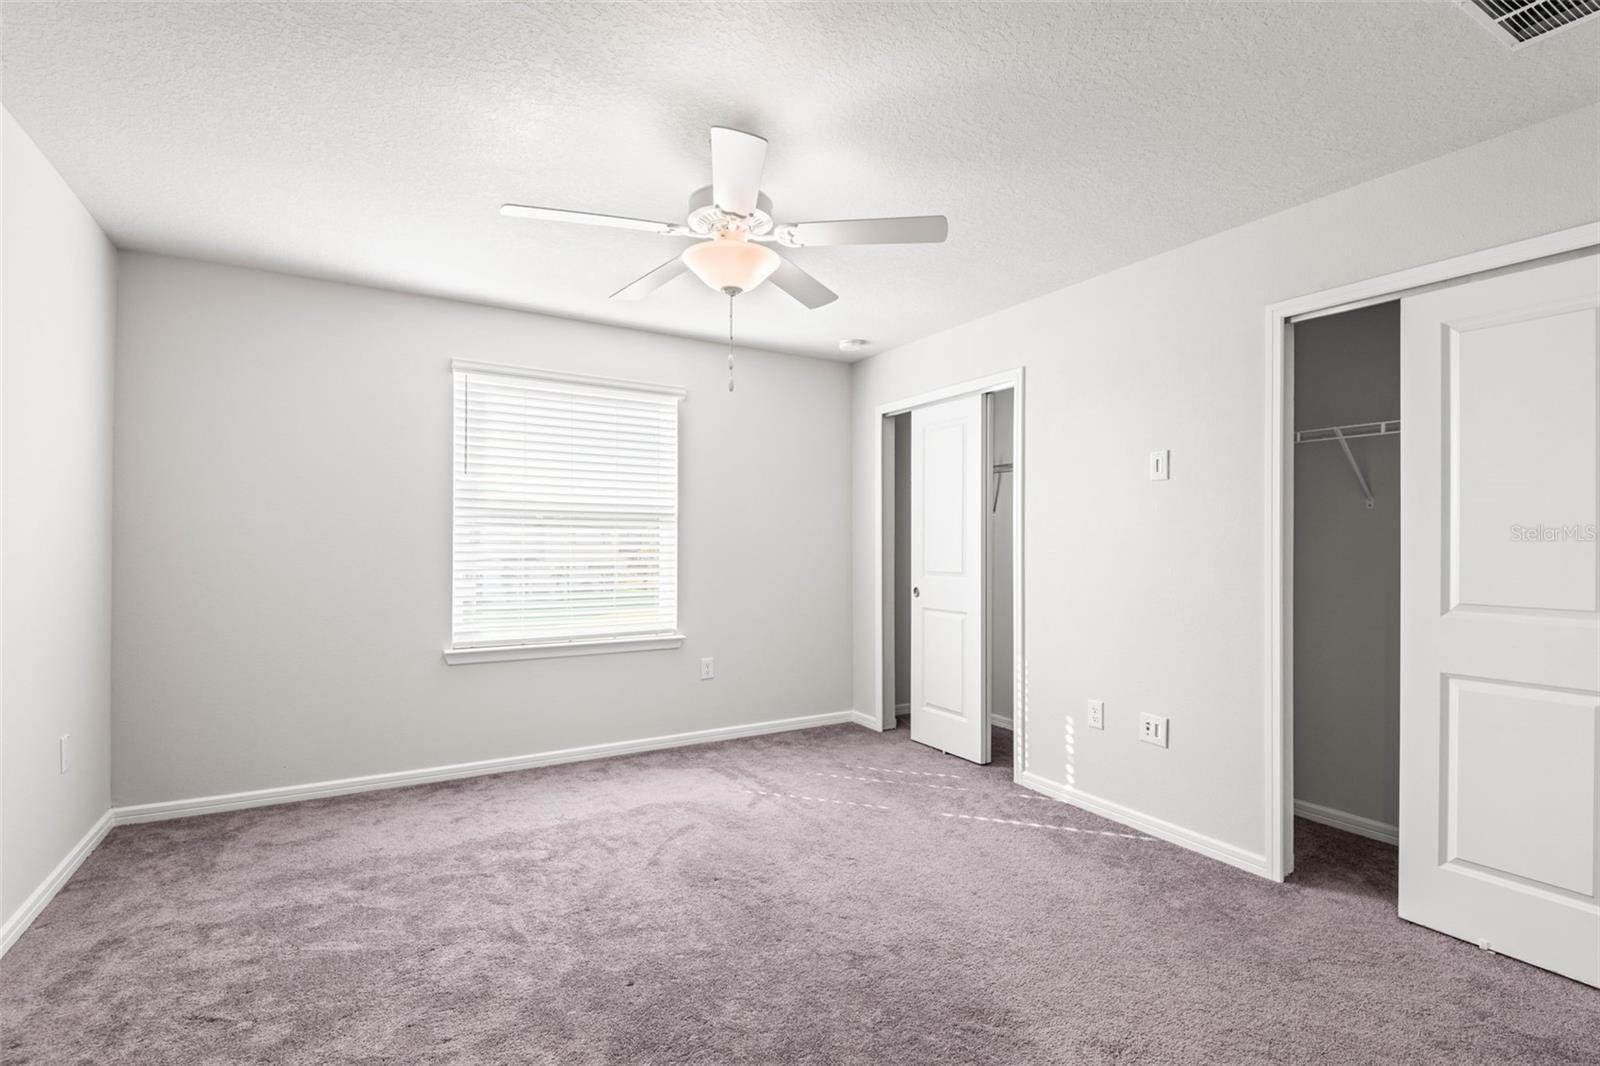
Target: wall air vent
x,y
1521,22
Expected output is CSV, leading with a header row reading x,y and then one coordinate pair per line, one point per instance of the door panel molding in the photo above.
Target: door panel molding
x,y
1552,486
1564,846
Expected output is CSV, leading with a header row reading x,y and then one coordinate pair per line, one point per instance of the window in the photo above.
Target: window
x,y
565,515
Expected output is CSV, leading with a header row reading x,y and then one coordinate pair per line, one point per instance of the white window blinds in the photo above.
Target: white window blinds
x,y
566,509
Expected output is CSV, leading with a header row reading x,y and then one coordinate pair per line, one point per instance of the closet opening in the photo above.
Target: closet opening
x,y
950,546
1346,593
1496,638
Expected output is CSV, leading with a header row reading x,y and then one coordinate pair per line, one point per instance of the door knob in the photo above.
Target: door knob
x,y
915,591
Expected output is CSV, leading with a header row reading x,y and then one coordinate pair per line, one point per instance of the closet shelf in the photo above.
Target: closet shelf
x,y
1355,429
1344,434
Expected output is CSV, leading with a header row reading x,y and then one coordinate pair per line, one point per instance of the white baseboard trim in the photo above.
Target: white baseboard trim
x,y
1360,825
905,708
18,923
1000,720
40,897
861,718
264,797
1210,847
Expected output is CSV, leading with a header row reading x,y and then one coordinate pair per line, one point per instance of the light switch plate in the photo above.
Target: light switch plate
x,y
1160,465
1097,714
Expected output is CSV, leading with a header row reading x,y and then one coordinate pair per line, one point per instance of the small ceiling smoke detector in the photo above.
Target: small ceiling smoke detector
x,y
1520,22
853,344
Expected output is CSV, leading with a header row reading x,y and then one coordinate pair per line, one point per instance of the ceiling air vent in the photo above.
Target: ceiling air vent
x,y
1520,22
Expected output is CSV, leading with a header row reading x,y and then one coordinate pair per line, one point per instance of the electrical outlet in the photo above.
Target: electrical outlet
x,y
65,737
1153,729
1160,465
708,668
1097,714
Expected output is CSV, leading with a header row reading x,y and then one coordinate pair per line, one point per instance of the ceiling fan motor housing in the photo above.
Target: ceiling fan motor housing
x,y
706,219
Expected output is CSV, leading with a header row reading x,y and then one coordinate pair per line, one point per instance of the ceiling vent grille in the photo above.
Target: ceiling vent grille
x,y
1524,21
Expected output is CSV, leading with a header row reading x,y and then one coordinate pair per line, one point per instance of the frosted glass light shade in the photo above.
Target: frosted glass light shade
x,y
730,263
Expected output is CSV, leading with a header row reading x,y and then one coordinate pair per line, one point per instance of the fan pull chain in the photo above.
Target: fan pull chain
x,y
730,342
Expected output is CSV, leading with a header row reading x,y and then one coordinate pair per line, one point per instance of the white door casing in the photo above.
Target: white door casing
x,y
1500,636
948,683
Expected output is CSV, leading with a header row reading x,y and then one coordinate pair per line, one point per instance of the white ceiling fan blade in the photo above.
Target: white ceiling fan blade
x,y
587,218
802,286
737,159
649,283
913,229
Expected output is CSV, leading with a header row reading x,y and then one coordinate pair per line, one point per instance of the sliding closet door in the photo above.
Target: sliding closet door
x,y
1500,656
948,706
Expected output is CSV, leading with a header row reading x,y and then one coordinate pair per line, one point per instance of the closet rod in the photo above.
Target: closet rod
x,y
1343,434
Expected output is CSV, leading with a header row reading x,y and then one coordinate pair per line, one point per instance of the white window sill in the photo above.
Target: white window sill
x,y
562,649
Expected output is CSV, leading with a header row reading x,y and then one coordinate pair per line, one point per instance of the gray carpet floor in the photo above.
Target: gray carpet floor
x,y
827,897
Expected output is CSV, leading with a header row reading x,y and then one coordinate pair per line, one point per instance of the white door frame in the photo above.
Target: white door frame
x,y
1281,317
883,557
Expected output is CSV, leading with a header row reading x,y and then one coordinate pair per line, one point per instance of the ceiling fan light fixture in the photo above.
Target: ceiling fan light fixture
x,y
730,264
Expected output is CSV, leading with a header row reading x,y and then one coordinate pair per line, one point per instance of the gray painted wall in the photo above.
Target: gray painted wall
x,y
1347,568
283,537
59,291
902,560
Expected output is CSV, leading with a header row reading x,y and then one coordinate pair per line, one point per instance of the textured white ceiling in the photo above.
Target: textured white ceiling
x,y
374,142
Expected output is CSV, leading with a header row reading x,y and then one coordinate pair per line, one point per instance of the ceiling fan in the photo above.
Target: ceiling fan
x,y
732,221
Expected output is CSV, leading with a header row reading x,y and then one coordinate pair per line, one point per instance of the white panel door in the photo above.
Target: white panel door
x,y
948,684
1500,641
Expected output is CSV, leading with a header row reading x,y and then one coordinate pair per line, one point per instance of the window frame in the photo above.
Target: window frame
x,y
563,647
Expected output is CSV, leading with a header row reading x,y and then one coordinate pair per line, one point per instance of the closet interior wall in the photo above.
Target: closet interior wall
x,y
1347,567
1002,483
